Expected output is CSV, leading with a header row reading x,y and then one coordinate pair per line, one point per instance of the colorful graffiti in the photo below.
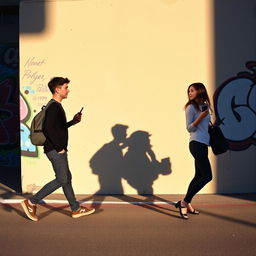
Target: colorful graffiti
x,y
235,108
27,148
9,106
36,93
13,141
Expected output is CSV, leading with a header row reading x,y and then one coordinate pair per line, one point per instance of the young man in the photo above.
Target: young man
x,y
55,148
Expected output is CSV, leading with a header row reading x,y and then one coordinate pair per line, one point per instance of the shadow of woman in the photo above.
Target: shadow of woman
x,y
140,166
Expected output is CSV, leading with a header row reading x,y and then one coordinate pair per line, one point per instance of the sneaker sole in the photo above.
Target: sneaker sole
x,y
83,214
27,212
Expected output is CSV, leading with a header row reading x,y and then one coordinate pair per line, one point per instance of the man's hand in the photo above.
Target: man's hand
x,y
62,151
77,118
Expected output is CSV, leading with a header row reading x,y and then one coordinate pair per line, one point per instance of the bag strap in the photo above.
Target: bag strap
x,y
47,105
217,122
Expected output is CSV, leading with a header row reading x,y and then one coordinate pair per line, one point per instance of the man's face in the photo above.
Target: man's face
x,y
120,136
63,91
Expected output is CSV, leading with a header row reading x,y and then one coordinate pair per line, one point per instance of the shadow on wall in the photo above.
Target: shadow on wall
x,y
32,17
234,99
138,166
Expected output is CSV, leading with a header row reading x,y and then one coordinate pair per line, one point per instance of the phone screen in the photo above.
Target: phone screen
x,y
204,107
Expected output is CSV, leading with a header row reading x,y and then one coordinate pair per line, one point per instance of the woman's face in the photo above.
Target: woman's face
x,y
192,93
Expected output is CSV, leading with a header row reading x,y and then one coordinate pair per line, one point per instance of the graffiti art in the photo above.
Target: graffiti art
x,y
235,108
27,148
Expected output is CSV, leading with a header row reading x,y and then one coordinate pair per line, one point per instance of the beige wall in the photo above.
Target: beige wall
x,y
129,62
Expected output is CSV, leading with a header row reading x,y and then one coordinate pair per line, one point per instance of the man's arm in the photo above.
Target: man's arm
x,y
70,123
76,119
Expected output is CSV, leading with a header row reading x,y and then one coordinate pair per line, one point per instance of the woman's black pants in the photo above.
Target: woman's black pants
x,y
203,172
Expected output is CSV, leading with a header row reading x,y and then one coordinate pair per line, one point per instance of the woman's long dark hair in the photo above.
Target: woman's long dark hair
x,y
202,96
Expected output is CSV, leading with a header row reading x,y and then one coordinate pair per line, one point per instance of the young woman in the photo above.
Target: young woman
x,y
197,122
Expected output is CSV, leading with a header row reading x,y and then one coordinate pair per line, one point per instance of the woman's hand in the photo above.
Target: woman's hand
x,y
201,116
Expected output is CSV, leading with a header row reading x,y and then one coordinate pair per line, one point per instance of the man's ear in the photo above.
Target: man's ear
x,y
57,89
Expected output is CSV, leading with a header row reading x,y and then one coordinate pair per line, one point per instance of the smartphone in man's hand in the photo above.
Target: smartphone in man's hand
x,y
80,112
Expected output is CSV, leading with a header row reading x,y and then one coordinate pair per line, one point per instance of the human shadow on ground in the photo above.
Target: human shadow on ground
x,y
51,209
16,207
9,194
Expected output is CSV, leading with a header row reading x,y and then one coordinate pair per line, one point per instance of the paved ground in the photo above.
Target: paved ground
x,y
226,226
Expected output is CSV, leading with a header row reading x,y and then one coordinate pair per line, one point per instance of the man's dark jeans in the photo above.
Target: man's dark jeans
x,y
63,179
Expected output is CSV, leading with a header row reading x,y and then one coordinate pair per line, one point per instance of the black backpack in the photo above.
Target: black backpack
x,y
218,142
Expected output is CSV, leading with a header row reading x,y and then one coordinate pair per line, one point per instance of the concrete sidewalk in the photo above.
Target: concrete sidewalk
x,y
130,226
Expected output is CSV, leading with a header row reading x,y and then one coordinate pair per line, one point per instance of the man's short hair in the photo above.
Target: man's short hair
x,y
57,81
117,129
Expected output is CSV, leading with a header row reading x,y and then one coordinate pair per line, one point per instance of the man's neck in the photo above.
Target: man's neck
x,y
57,98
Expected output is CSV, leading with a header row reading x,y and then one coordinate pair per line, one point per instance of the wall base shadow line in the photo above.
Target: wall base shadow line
x,y
97,202
230,219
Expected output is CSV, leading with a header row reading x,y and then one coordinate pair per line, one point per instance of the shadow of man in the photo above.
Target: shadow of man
x,y
141,168
107,162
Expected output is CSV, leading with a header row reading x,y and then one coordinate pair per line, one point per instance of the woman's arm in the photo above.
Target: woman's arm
x,y
191,122
152,155
200,117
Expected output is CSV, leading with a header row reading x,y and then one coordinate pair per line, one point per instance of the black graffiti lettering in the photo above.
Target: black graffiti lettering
x,y
233,106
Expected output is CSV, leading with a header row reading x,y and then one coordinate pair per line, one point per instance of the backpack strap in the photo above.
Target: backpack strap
x,y
217,122
47,105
